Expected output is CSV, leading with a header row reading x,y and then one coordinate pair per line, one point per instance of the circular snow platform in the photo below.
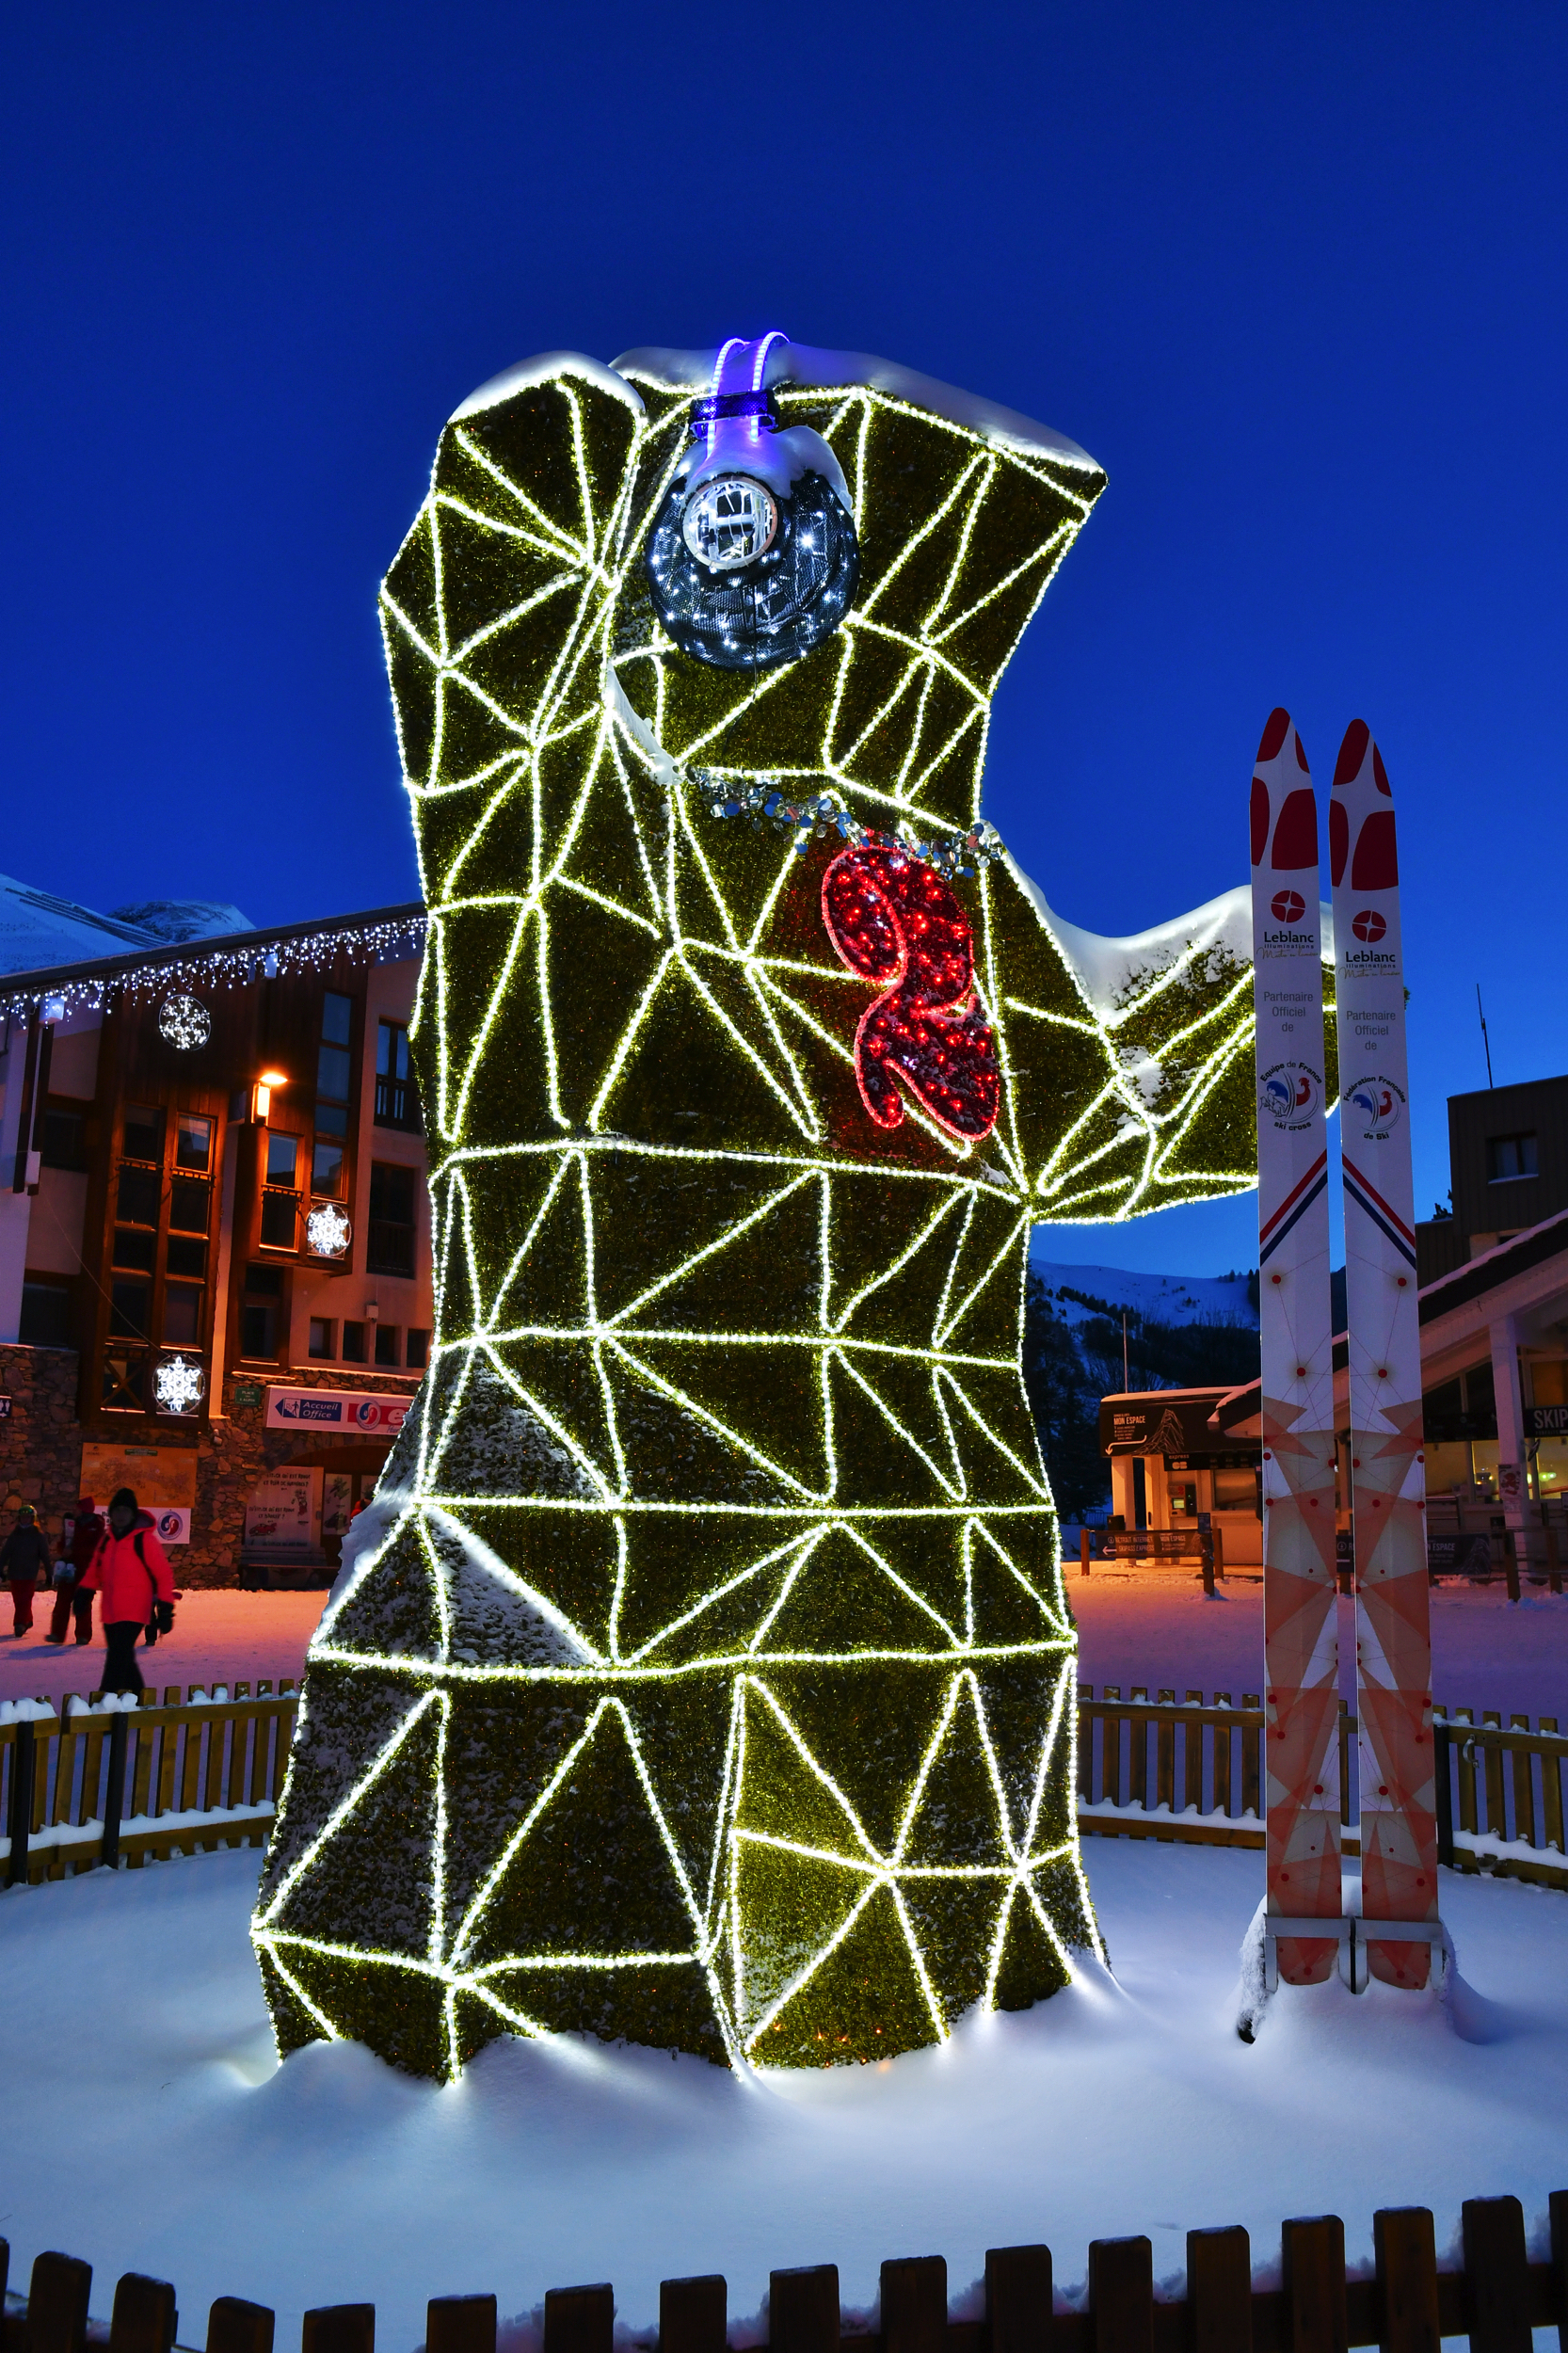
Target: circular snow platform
x,y
139,2060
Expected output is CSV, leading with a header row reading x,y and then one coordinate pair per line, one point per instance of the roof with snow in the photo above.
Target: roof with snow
x,y
384,935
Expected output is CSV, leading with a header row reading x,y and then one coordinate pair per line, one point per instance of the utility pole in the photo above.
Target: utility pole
x,y
1484,1039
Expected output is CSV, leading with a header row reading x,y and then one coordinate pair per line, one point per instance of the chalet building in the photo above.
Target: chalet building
x,y
214,1242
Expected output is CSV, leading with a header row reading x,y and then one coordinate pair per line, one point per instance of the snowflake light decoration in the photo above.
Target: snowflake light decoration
x,y
178,1384
327,1231
186,1022
704,1674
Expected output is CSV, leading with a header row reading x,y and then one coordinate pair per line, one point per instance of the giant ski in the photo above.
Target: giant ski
x,y
1302,1745
1398,1829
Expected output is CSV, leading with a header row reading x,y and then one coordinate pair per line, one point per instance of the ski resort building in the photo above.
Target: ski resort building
x,y
1508,1171
215,1252
1495,1397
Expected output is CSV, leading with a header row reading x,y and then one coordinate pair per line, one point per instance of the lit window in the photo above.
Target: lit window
x,y
283,1158
194,1142
396,1098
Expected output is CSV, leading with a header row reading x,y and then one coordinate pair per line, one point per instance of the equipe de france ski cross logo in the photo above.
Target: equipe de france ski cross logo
x,y
1290,1095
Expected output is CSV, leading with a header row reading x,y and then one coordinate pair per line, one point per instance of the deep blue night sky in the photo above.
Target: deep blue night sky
x,y
1295,277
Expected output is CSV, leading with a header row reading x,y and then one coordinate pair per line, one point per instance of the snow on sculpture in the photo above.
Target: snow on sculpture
x,y
703,1673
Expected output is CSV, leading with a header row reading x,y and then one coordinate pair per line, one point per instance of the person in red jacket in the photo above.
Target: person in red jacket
x,y
131,1574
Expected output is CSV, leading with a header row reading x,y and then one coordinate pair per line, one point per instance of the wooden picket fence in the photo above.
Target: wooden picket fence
x,y
91,1786
1496,2298
1177,1769
102,1783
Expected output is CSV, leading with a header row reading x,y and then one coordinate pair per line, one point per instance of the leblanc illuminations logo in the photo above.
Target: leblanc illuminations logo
x,y
1369,927
1289,909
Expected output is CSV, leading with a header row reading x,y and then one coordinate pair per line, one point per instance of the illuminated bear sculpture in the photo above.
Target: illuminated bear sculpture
x,y
703,1674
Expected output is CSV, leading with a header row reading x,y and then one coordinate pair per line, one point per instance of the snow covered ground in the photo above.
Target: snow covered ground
x,y
139,2064
1157,1628
223,1637
1154,1628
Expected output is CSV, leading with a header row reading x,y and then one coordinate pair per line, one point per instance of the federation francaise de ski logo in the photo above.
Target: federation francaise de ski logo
x,y
1375,1104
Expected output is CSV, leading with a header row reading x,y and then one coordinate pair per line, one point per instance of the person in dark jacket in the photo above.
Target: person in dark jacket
x,y
129,1569
23,1556
68,1597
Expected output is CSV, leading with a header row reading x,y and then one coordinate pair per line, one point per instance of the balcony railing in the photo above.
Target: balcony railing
x,y
397,1105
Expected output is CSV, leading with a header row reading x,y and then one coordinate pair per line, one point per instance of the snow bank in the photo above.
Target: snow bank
x,y
1121,2105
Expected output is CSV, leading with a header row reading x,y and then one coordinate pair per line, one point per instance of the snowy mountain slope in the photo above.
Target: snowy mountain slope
x,y
184,918
1158,1298
38,928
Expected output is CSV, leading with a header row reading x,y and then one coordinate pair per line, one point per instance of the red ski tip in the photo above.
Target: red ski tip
x,y
1273,734
1352,751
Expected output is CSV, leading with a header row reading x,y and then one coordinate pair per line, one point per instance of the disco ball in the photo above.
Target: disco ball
x,y
728,521
185,1022
744,581
328,1230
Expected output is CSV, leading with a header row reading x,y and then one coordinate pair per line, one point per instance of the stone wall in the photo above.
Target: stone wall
x,y
41,1450
41,1442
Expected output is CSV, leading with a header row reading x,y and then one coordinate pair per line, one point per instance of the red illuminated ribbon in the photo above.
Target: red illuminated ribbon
x,y
894,921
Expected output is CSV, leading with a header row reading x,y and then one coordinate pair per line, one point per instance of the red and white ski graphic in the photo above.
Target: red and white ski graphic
x,y
1399,1828
1302,1744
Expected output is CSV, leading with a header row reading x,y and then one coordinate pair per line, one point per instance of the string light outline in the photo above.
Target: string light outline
x,y
616,1344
